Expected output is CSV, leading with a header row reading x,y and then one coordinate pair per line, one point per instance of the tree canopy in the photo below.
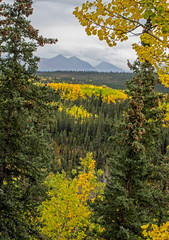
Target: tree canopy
x,y
116,20
25,150
67,215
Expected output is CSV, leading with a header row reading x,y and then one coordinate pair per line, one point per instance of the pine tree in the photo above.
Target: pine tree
x,y
25,150
136,191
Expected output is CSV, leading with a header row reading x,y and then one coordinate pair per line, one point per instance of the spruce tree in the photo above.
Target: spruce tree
x,y
136,191
25,150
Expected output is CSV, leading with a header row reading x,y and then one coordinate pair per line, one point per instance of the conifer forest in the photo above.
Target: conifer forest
x,y
85,155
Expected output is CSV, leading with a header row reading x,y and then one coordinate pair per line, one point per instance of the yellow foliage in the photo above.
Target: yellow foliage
x,y
153,232
78,112
112,21
74,91
60,108
66,215
165,106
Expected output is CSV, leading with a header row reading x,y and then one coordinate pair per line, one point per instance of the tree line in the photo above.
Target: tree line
x,y
49,186
112,80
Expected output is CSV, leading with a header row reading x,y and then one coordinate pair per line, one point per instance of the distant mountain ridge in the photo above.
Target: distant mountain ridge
x,y
61,63
107,67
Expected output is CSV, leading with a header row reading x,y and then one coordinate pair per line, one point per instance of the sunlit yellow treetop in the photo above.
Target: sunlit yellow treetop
x,y
74,91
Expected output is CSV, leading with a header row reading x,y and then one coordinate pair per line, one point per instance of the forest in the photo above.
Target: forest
x,y
85,155
112,80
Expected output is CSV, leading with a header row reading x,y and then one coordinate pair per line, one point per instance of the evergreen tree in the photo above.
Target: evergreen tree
x,y
136,191
25,148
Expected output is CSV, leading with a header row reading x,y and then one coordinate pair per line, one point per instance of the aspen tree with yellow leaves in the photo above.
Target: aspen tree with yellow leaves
x,y
74,91
137,189
67,215
116,20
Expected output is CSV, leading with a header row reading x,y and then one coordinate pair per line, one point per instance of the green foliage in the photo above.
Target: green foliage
x,y
112,80
136,191
67,215
25,115
74,136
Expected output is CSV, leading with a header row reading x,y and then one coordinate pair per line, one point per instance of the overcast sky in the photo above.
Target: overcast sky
x,y
54,18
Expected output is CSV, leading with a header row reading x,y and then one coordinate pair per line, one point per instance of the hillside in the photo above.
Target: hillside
x,y
112,80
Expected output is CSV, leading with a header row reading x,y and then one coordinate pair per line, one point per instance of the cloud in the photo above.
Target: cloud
x,y
66,2
55,19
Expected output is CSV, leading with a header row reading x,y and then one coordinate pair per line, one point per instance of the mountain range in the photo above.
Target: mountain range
x,y
61,63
